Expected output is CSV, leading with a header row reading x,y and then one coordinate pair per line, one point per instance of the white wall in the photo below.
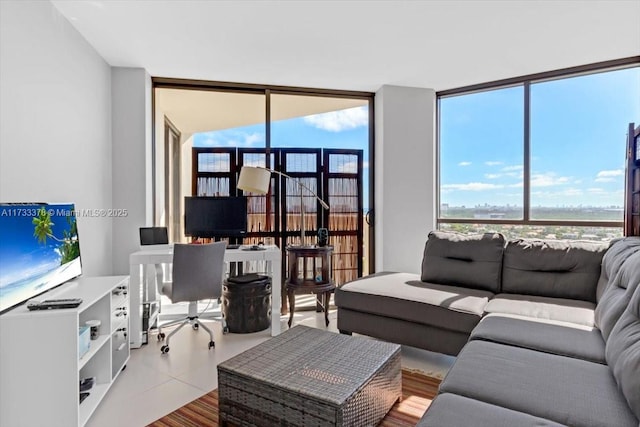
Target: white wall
x,y
131,150
55,121
160,214
405,209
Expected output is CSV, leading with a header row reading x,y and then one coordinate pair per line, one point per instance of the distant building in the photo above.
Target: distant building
x,y
487,214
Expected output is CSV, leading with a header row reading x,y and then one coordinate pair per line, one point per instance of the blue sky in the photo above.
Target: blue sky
x,y
578,129
337,129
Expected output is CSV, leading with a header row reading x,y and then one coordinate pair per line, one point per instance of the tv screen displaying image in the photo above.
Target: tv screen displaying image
x,y
39,250
211,217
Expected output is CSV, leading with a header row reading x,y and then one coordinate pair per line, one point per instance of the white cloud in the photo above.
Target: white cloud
x,y
548,179
464,164
492,175
337,121
253,138
513,168
615,172
472,186
609,176
491,163
595,190
209,142
569,192
231,138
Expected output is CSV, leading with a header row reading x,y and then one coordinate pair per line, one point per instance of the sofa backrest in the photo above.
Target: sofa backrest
x,y
623,352
621,273
472,261
552,268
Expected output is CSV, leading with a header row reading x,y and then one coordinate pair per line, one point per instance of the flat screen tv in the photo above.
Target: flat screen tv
x,y
212,217
39,250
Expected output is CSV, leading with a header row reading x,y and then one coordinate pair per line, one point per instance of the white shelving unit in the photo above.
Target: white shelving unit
x,y
40,367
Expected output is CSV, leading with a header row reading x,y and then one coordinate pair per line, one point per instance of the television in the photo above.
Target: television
x,y
39,250
212,217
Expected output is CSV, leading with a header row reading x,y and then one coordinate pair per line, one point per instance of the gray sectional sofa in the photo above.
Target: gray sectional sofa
x,y
546,333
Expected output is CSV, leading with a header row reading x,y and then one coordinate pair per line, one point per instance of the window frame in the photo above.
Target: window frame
x,y
526,82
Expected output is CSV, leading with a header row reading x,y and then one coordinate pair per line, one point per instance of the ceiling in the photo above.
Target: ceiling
x,y
356,45
193,111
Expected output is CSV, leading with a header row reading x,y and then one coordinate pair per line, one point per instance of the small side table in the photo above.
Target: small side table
x,y
310,272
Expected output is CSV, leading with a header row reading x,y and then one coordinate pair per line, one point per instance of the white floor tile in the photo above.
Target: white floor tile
x,y
154,385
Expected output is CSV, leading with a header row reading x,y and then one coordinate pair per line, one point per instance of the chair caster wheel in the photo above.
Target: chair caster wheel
x,y
225,330
211,345
161,336
195,326
164,349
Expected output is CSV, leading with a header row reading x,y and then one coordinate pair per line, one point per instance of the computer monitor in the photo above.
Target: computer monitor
x,y
153,236
212,217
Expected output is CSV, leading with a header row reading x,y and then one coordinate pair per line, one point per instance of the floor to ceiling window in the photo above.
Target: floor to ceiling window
x,y
541,157
239,117
323,138
335,133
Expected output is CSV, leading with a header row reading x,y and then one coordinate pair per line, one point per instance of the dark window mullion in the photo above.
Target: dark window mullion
x,y
526,184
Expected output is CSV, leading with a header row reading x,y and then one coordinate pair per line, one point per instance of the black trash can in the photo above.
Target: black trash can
x,y
246,303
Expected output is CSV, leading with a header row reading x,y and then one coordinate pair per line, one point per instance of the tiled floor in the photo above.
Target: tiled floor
x,y
153,385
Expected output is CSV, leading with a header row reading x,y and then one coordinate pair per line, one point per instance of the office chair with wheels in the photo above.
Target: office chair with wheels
x,y
197,274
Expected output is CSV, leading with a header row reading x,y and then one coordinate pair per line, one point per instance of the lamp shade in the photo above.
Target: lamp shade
x,y
255,180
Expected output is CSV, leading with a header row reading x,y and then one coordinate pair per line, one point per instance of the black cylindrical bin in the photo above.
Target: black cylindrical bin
x,y
246,303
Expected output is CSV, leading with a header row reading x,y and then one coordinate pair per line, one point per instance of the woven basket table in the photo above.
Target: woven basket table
x,y
308,377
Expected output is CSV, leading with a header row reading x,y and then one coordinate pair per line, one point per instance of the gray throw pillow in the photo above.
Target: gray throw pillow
x,y
553,268
472,261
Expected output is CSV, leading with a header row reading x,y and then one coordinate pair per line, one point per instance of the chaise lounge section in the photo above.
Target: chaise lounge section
x,y
552,339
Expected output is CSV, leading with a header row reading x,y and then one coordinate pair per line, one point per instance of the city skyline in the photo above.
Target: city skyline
x,y
577,139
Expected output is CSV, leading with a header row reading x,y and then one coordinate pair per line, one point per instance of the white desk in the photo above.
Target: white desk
x,y
164,255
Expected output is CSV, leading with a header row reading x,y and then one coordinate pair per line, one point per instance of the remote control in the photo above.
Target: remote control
x,y
51,304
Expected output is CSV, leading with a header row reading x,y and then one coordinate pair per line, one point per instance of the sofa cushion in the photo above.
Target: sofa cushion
x,y
621,270
562,389
619,250
623,352
561,338
405,296
452,410
558,269
563,310
463,260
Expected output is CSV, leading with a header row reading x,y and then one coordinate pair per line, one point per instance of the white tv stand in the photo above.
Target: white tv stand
x,y
40,370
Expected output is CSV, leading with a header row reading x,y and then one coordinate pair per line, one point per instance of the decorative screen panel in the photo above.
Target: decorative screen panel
x,y
214,162
334,174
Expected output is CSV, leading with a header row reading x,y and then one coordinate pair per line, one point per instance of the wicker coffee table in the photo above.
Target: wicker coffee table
x,y
309,377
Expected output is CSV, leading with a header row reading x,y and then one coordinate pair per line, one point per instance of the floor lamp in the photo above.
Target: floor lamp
x,y
257,180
